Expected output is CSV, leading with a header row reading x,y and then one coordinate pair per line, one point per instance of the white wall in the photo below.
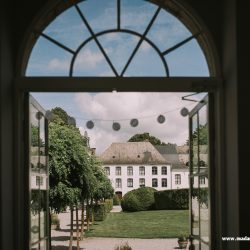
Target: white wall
x,y
184,173
148,177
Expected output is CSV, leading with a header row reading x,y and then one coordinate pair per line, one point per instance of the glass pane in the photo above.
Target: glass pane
x,y
48,59
203,140
91,62
194,144
101,15
34,220
146,62
119,47
43,245
195,206
187,60
38,176
68,29
204,246
204,214
34,174
43,213
195,245
136,14
167,31
35,247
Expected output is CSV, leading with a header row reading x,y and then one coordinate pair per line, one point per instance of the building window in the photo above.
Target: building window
x,y
164,170
164,182
118,171
154,170
130,182
130,170
202,180
141,170
142,182
118,183
39,180
107,170
154,182
177,179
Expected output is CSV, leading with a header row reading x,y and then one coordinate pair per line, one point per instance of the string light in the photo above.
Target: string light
x,y
116,126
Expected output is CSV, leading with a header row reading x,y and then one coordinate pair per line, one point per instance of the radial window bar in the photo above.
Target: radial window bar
x,y
143,37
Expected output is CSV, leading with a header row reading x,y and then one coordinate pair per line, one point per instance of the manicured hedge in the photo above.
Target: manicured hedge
x,y
140,199
101,210
172,199
108,205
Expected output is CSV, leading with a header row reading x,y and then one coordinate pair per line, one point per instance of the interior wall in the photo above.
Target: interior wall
x,y
6,131
243,51
230,75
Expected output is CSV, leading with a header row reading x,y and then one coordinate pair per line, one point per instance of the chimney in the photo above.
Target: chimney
x,y
93,151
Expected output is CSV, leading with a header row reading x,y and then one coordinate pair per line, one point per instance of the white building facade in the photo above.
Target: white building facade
x,y
125,178
132,165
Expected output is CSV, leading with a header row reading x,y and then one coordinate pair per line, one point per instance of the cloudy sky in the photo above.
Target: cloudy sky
x,y
105,108
48,59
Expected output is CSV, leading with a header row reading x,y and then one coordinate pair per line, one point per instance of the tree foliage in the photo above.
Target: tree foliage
x,y
202,133
75,174
146,137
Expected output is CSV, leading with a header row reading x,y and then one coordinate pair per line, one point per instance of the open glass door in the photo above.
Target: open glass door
x,y
38,174
199,176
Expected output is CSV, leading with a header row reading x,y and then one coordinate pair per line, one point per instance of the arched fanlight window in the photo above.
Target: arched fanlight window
x,y
119,38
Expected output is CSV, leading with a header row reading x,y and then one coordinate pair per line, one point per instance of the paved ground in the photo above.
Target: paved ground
x,y
60,239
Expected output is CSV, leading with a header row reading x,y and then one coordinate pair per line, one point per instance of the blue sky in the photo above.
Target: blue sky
x,y
47,59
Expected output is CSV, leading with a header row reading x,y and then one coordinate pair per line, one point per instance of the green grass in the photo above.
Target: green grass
x,y
146,224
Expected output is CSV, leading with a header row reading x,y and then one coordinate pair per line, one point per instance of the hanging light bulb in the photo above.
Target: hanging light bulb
x,y
90,124
161,119
184,112
116,126
134,122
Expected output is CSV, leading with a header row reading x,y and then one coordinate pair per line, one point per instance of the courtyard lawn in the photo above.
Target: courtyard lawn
x,y
146,224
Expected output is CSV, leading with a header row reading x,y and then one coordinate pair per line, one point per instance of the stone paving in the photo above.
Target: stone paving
x,y
60,239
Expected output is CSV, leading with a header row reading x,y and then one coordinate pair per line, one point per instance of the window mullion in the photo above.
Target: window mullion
x,y
96,40
141,40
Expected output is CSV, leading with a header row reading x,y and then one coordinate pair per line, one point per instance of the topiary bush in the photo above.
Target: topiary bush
x,y
172,199
140,199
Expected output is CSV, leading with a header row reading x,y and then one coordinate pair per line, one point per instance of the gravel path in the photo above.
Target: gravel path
x,y
60,239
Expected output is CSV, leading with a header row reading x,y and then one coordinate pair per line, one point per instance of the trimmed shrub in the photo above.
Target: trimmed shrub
x,y
108,205
101,209
116,200
140,199
172,199
99,212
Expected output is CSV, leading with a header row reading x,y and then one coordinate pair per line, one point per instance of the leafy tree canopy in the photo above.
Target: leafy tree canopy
x,y
60,116
146,137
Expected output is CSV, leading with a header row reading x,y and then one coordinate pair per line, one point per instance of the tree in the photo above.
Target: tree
x,y
202,131
61,116
146,137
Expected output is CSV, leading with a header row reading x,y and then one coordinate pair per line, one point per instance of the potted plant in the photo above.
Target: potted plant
x,y
124,246
183,241
55,222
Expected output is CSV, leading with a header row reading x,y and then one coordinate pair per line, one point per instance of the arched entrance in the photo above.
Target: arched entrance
x,y
95,62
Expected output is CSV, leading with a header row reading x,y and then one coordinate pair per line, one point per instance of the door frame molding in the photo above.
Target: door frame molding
x,y
25,85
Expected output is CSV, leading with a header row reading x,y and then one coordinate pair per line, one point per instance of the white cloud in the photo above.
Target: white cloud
x,y
56,64
119,106
88,59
